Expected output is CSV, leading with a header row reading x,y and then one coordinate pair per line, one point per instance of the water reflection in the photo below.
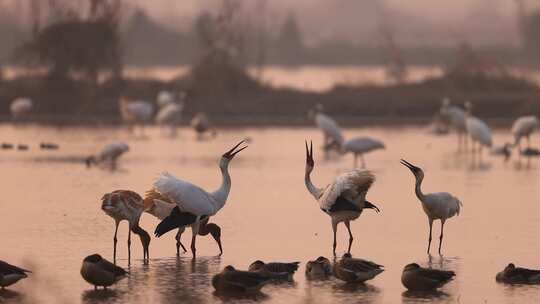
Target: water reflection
x,y
10,296
185,280
102,296
426,297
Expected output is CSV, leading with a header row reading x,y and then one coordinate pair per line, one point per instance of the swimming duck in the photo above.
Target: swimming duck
x,y
418,278
517,275
275,270
100,272
10,274
232,280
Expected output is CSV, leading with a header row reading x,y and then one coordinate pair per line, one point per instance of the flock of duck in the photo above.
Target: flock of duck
x,y
179,204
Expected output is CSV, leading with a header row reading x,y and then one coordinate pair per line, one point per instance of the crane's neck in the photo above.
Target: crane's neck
x,y
316,192
418,189
221,194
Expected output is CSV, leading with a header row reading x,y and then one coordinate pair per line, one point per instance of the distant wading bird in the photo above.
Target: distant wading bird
x,y
100,272
437,206
478,130
170,111
524,127
20,107
344,199
109,154
360,146
201,124
159,206
332,135
10,274
194,204
456,117
136,112
126,205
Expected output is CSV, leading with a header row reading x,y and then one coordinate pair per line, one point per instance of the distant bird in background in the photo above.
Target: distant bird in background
x,y
136,112
164,97
437,206
170,111
504,150
126,205
344,199
456,118
201,124
361,145
416,278
100,272
48,146
109,154
10,274
524,127
530,152
20,107
193,204
478,130
160,207
332,135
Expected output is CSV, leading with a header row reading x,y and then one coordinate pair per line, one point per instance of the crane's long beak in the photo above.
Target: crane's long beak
x,y
408,165
309,153
231,153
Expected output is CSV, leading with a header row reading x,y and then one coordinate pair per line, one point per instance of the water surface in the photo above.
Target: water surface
x,y
51,219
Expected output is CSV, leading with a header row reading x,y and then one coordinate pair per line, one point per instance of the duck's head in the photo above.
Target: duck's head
x,y
257,265
94,258
411,266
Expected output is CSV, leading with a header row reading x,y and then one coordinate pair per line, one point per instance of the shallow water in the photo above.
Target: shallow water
x,y
51,219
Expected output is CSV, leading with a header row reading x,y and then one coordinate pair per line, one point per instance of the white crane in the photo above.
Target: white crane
x,y
456,117
136,112
437,206
194,204
201,124
164,97
20,107
477,129
126,205
344,199
170,115
109,154
524,127
332,135
360,146
159,206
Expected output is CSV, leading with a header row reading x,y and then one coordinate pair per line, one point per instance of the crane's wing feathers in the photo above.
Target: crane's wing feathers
x,y
187,196
129,198
352,186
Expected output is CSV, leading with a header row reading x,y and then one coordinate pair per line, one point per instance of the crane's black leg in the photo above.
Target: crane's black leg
x,y
429,239
347,224
129,246
178,242
334,228
441,237
115,240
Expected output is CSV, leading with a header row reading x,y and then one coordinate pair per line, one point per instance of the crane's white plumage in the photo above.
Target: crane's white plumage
x,y
164,97
192,204
437,206
360,146
454,115
523,127
353,185
170,113
329,127
344,199
136,111
479,131
20,106
188,197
